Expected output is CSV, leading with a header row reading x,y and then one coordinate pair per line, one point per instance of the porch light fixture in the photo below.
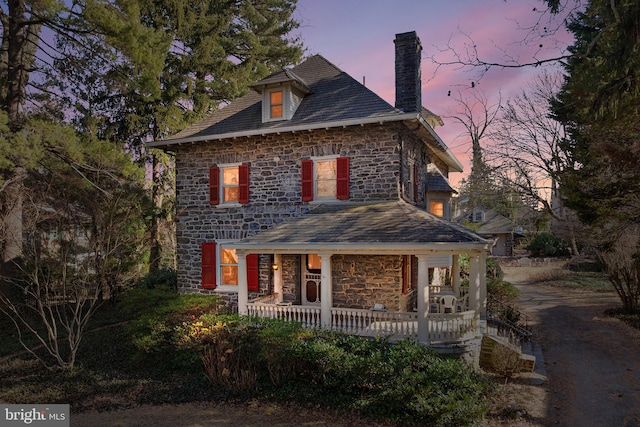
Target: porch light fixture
x,y
274,266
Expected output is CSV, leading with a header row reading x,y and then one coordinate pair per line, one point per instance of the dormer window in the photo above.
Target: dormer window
x,y
282,93
276,104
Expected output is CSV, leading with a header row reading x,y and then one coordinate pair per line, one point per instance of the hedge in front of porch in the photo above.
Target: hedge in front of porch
x,y
402,382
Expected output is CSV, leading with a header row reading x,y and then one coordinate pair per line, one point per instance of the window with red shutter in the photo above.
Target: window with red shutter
x,y
307,180
253,275
208,253
243,183
214,186
342,177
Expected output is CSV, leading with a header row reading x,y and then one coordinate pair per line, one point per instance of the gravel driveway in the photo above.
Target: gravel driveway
x,y
592,361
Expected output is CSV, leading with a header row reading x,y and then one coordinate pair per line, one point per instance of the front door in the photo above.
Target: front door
x,y
311,279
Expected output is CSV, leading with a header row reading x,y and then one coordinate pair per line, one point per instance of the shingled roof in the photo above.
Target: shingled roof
x,y
387,224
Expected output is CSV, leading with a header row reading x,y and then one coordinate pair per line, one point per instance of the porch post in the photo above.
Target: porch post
x,y
243,289
474,282
277,276
326,290
455,274
483,285
423,299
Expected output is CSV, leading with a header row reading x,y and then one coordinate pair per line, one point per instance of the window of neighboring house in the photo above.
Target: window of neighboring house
x,y
436,208
478,217
229,184
276,104
220,267
325,179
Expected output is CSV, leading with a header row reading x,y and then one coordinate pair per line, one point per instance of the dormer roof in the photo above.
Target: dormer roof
x,y
284,76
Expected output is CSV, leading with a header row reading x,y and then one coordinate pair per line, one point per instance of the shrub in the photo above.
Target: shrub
x,y
162,278
548,245
404,382
502,291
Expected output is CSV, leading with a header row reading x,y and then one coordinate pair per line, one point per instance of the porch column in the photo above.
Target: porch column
x,y
326,290
243,289
483,285
455,274
277,276
423,299
474,282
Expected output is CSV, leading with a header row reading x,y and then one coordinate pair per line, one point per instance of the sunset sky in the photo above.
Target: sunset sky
x,y
357,36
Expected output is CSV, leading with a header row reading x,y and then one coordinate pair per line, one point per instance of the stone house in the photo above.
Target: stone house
x,y
308,199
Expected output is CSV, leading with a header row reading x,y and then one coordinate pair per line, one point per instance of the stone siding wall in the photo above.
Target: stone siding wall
x,y
379,158
274,183
362,281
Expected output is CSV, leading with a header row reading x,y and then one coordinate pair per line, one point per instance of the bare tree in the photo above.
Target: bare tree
x,y
619,250
477,115
528,146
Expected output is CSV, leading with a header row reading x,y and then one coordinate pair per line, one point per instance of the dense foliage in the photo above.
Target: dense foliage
x,y
548,245
600,106
176,349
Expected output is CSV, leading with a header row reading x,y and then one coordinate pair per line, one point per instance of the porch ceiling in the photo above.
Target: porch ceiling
x,y
386,227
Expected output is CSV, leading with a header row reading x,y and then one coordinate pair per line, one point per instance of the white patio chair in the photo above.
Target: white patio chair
x,y
448,304
462,303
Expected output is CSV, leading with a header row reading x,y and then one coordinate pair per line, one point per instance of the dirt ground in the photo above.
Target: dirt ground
x,y
591,361
590,376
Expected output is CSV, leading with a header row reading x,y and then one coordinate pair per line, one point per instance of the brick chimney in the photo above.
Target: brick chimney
x,y
408,75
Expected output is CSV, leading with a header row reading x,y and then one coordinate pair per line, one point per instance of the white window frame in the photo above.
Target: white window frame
x,y
221,185
266,104
220,286
316,160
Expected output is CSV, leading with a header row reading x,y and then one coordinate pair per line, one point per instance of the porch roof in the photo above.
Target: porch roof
x,y
384,227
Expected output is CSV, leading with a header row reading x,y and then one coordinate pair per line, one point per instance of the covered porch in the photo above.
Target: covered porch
x,y
431,321
441,311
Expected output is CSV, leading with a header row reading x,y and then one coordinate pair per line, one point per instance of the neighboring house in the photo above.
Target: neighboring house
x,y
307,199
490,223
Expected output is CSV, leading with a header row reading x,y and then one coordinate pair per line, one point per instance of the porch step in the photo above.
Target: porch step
x,y
499,356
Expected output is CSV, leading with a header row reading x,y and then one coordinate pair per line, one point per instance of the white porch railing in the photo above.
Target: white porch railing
x,y
442,327
309,316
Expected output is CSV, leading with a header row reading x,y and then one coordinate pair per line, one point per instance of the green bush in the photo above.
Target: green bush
x,y
502,291
548,245
162,278
403,382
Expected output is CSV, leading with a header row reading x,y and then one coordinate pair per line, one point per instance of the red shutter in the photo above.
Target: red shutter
x,y
214,186
307,180
342,172
252,272
406,271
415,182
243,184
208,265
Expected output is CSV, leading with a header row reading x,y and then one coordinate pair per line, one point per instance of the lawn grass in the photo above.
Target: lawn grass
x,y
563,278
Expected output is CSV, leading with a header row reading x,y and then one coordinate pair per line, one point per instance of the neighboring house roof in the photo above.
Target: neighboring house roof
x,y
437,182
334,99
376,227
493,222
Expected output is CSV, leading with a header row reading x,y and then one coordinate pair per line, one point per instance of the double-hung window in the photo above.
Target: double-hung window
x,y
229,184
220,268
325,178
